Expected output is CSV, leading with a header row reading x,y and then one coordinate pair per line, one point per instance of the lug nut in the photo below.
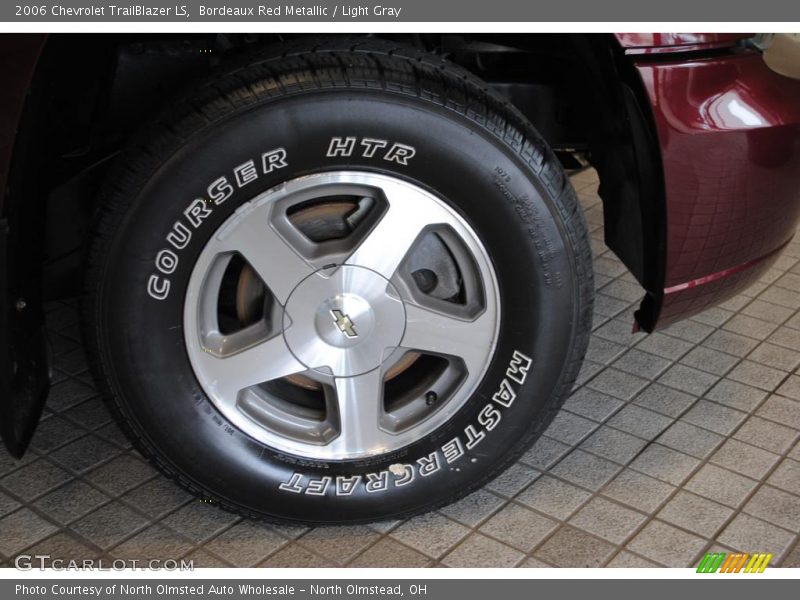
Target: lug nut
x,y
431,398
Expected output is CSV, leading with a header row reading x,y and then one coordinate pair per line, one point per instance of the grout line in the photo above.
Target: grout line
x,y
676,419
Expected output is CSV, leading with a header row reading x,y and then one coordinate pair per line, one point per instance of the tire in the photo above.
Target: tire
x,y
423,131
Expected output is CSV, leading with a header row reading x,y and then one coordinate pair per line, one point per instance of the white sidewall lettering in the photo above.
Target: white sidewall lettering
x,y
158,287
166,261
451,452
344,147
200,209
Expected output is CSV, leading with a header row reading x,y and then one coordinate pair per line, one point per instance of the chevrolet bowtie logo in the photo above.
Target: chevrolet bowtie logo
x,y
344,323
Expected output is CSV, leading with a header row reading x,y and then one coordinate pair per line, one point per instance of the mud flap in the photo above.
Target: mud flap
x,y
24,365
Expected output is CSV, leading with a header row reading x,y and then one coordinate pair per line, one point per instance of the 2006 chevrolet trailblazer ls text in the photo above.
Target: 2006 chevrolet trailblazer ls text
x,y
346,278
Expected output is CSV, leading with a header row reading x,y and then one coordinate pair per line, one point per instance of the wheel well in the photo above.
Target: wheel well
x,y
93,93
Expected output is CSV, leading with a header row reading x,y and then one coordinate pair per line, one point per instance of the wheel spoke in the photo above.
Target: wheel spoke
x,y
388,243
428,330
265,361
279,265
359,401
353,317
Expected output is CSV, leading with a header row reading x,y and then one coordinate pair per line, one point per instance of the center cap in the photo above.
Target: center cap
x,y
345,321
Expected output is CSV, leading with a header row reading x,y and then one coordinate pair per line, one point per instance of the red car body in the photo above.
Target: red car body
x,y
729,133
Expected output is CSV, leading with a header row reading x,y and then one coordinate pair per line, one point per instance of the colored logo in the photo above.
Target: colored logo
x,y
344,323
739,562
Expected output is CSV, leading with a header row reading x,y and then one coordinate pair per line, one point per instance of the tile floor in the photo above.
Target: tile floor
x,y
672,445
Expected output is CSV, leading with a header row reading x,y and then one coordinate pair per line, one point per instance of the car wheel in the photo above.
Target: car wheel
x,y
336,285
